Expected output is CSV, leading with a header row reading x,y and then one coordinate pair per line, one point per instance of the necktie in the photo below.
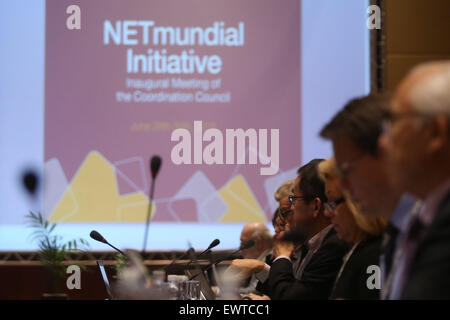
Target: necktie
x,y
413,237
393,281
388,246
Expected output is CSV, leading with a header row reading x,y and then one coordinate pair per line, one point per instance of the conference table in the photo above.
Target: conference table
x,y
23,276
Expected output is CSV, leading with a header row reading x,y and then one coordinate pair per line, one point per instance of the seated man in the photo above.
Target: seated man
x,y
262,248
321,254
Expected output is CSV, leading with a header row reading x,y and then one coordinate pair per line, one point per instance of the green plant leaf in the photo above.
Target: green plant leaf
x,y
52,227
51,248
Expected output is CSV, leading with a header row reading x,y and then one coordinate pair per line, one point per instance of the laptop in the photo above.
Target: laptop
x,y
205,287
105,279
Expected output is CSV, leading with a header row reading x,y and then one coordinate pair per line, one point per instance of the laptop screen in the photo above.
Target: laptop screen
x,y
105,279
205,286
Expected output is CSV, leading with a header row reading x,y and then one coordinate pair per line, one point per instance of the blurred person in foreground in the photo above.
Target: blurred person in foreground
x,y
416,139
363,234
363,169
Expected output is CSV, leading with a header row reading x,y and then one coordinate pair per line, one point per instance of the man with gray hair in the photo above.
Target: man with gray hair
x,y
416,140
262,236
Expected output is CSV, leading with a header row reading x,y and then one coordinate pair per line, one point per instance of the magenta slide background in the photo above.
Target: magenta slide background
x,y
82,75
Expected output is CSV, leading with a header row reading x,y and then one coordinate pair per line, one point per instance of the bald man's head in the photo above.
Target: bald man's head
x,y
425,89
416,138
262,236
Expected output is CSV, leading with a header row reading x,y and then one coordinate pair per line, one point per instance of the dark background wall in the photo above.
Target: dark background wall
x,y
415,31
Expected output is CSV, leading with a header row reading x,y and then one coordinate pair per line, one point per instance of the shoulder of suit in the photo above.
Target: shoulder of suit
x,y
333,239
439,229
443,211
368,250
372,242
331,243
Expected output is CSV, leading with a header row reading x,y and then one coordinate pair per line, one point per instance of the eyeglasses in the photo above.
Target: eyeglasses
x,y
331,205
293,198
283,214
390,117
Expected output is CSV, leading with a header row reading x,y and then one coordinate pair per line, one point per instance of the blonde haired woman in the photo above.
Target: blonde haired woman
x,y
362,233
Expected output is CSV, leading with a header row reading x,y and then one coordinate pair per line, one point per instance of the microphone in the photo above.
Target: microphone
x,y
191,254
155,165
97,236
193,257
213,244
185,255
30,182
32,185
246,245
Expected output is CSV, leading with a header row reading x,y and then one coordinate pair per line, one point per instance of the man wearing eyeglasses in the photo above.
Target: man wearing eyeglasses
x,y
417,144
354,132
321,253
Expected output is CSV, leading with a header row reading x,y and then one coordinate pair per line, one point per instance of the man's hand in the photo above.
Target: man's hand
x,y
246,267
283,248
241,269
253,296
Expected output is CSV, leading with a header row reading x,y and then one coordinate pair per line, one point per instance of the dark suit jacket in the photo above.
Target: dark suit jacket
x,y
429,276
352,284
318,276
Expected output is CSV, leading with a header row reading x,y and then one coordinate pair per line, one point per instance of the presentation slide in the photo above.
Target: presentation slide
x,y
230,95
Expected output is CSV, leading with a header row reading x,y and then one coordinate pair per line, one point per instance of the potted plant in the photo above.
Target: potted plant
x,y
53,251
120,262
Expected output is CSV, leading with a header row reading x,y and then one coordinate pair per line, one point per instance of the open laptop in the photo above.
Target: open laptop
x,y
105,279
205,287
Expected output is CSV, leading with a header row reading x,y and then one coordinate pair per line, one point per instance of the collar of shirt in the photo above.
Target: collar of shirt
x,y
316,241
263,255
433,201
400,215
